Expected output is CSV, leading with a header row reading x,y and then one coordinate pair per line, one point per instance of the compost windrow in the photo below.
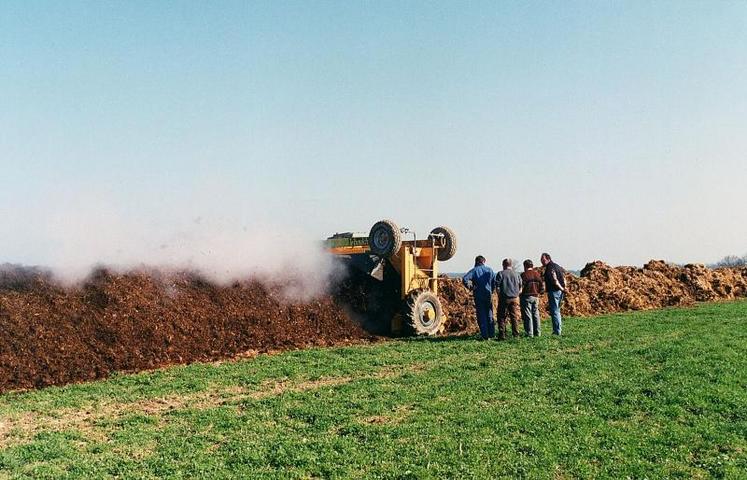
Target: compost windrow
x,y
52,334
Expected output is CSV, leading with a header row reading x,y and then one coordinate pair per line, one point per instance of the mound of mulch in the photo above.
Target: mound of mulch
x,y
458,305
605,289
52,335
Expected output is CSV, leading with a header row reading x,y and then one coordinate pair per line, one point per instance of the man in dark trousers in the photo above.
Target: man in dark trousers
x,y
508,286
555,286
480,280
530,292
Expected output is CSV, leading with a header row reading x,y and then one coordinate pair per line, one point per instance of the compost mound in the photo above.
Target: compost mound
x,y
458,305
53,335
604,289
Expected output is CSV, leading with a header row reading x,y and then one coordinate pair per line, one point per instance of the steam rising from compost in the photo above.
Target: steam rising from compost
x,y
74,237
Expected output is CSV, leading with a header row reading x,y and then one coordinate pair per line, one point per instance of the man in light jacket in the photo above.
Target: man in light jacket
x,y
508,286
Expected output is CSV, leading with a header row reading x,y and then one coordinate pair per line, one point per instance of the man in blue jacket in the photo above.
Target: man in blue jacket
x,y
480,280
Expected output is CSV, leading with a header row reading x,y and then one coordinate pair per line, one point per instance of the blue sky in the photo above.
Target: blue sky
x,y
593,130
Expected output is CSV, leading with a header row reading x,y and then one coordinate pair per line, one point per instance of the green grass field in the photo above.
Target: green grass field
x,y
659,394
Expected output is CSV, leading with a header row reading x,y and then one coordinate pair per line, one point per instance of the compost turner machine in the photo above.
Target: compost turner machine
x,y
406,269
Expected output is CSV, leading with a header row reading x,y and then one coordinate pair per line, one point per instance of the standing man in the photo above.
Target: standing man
x,y
555,286
532,288
480,280
508,285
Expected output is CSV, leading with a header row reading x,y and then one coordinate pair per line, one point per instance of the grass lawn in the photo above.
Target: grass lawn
x,y
659,394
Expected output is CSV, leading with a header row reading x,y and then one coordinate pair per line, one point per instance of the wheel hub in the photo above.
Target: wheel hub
x,y
381,239
427,313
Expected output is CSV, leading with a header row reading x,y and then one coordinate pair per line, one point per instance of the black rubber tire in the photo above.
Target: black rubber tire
x,y
384,239
449,245
416,306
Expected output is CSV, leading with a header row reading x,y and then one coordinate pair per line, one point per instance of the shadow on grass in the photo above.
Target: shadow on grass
x,y
475,337
458,337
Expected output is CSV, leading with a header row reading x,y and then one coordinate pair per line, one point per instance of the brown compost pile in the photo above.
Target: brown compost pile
x,y
604,289
52,334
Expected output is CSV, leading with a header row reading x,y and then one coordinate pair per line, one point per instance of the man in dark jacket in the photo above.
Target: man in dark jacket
x,y
555,286
508,286
480,280
531,290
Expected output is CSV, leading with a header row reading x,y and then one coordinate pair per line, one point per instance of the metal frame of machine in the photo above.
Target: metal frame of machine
x,y
415,262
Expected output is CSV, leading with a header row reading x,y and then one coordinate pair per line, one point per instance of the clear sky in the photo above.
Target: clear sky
x,y
592,130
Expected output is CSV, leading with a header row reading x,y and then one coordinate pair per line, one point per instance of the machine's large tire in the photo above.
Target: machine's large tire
x,y
384,239
418,320
449,243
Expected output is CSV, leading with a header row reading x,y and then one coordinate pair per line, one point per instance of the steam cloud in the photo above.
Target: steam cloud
x,y
71,241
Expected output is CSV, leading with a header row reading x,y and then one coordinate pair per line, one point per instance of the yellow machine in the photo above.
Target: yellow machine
x,y
408,266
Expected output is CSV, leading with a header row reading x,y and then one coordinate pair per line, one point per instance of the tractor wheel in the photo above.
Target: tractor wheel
x,y
423,313
384,238
448,243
